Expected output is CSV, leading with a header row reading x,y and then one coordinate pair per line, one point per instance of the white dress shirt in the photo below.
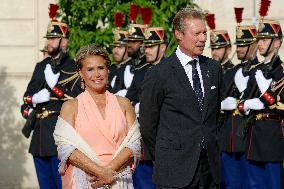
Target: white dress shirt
x,y
184,59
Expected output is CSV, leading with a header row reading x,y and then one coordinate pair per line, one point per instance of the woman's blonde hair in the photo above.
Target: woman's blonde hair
x,y
89,50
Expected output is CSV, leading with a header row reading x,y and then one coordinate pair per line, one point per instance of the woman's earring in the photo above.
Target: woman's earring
x,y
83,85
107,84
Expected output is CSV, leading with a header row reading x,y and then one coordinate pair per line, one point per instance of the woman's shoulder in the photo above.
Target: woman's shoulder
x,y
70,104
128,109
69,108
125,102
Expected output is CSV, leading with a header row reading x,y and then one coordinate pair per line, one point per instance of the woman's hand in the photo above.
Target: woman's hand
x,y
104,177
95,183
107,174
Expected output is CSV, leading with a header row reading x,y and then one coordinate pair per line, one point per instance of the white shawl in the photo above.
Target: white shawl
x,y
67,140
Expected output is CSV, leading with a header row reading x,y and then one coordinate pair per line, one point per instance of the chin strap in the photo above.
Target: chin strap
x,y
123,54
246,53
157,54
222,59
57,49
267,50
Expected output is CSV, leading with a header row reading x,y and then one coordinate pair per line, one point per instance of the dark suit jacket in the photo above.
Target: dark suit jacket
x,y
172,126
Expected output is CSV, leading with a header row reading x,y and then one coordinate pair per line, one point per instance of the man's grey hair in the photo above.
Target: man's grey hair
x,y
183,14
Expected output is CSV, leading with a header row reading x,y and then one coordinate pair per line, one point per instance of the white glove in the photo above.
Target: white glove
x,y
253,104
122,93
50,77
128,76
262,83
240,80
113,82
136,108
41,96
230,103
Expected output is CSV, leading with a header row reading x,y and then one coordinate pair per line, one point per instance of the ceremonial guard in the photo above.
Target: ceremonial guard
x,y
263,102
220,44
135,50
54,81
155,44
138,62
120,56
233,138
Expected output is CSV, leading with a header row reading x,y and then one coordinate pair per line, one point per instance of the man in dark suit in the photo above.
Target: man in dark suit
x,y
179,110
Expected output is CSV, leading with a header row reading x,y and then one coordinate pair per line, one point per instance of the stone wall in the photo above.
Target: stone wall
x,y
22,26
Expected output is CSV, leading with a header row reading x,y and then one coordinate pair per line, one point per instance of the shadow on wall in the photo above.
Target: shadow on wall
x,y
12,143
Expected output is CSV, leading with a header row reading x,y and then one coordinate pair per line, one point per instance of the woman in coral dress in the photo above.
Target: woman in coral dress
x,y
97,134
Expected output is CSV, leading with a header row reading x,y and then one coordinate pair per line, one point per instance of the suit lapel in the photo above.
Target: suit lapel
x,y
182,77
204,67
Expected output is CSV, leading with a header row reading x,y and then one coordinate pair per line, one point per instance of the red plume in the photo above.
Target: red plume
x,y
134,10
146,15
119,19
239,14
53,10
210,19
264,5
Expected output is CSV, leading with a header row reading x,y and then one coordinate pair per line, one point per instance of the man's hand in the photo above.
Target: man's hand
x,y
41,96
240,80
253,104
229,103
50,77
262,83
